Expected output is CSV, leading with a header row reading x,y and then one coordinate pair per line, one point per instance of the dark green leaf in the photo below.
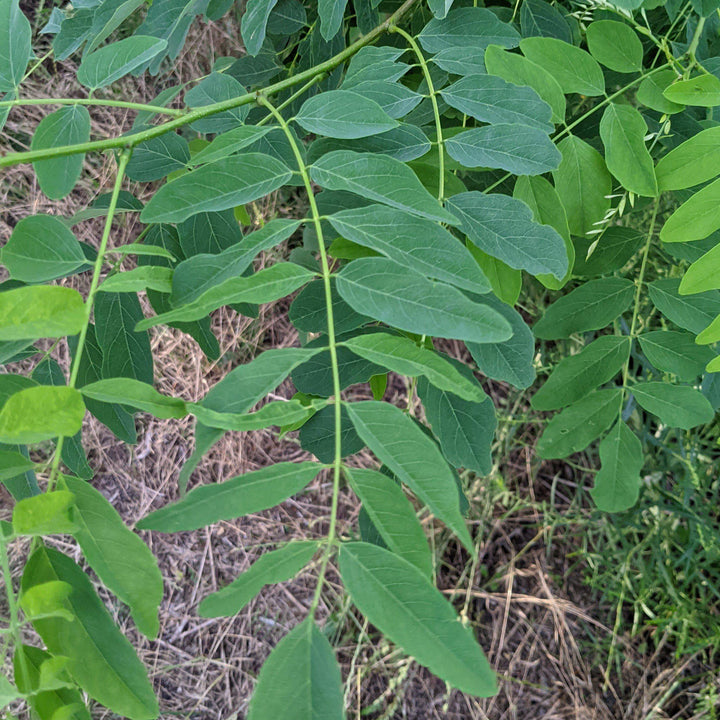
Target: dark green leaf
x,y
675,352
158,157
591,306
469,27
217,87
317,435
615,45
15,44
610,251
254,24
690,312
674,405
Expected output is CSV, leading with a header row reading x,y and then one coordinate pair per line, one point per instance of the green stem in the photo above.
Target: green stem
x,y
134,139
22,102
694,44
433,99
332,346
14,625
94,283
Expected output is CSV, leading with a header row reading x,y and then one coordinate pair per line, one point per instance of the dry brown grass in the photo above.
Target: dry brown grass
x,y
539,625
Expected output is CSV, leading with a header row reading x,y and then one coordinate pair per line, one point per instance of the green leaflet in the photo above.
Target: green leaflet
x,y
490,99
40,248
540,18
474,28
406,142
506,282
401,445
158,157
703,90
48,514
67,126
547,209
393,516
248,493
503,227
692,162
110,63
617,485
583,183
615,45
512,360
692,312
397,598
703,274
675,352
696,218
278,412
623,130
519,149
41,413
230,142
223,184
577,426
591,306
343,114
15,44
13,464
577,375
464,429
125,350
378,178
650,93
610,251
254,24
108,18
516,69
271,568
413,242
217,87
574,69
301,673
675,405
308,312
136,394
331,16
389,292
317,435
119,557
461,60
100,659
264,286
29,663
149,277
196,275
403,356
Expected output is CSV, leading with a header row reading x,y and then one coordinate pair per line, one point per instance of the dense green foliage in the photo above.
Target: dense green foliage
x,y
458,162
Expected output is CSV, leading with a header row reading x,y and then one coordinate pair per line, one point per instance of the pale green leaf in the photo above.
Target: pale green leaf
x,y
146,277
401,355
692,162
703,90
41,413
137,395
696,218
277,412
13,464
48,514
574,69
703,274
